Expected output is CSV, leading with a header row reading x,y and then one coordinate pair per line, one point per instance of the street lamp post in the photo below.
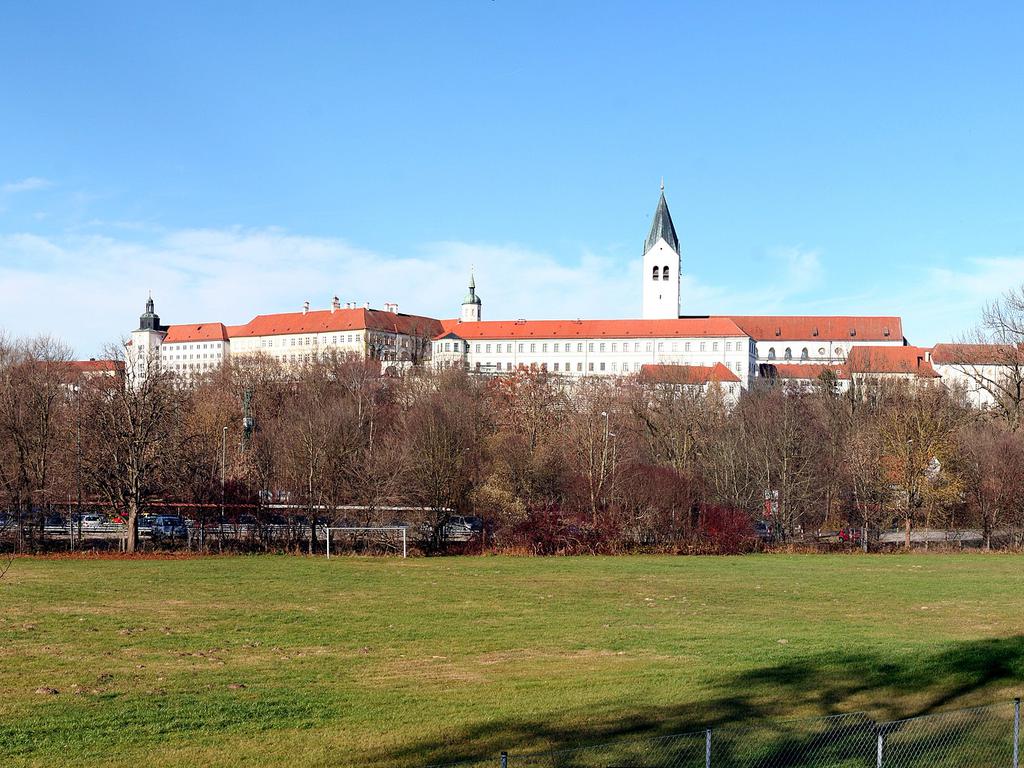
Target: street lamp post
x,y
223,469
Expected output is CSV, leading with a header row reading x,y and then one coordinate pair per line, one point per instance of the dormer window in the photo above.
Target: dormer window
x,y
778,331
885,332
654,274
814,332
853,332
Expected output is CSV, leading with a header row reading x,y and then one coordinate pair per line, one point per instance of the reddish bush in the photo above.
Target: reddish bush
x,y
726,531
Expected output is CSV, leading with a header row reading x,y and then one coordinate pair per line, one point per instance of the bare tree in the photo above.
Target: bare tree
x,y
133,421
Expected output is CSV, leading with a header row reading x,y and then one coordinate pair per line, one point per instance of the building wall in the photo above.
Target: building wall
x,y
661,297
596,357
967,377
818,350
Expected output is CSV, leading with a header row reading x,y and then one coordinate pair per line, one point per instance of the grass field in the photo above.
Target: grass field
x,y
284,661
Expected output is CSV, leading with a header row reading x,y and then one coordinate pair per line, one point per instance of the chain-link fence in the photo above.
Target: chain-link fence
x,y
982,737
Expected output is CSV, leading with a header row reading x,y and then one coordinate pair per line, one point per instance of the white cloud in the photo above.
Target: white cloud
x,y
29,184
90,289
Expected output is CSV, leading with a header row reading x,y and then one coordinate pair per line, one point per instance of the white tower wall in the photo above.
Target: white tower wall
x,y
661,295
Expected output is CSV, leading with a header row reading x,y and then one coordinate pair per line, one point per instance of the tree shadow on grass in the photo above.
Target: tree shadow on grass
x,y
957,675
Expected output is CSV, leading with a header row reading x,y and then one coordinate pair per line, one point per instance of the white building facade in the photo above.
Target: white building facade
x,y
593,347
395,339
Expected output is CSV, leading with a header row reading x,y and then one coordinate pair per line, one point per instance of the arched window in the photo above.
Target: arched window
x,y
788,354
803,354
654,275
664,273
771,353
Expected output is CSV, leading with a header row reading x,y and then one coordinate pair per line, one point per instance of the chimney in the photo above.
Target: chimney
x,y
335,305
392,308
305,307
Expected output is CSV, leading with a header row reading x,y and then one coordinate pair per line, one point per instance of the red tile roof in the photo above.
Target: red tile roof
x,y
325,321
593,329
805,370
896,360
977,354
686,374
196,332
96,366
847,328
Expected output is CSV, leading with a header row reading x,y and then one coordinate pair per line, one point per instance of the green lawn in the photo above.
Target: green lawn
x,y
285,661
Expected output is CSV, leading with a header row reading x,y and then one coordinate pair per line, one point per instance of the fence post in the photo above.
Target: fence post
x,y
707,748
881,747
504,760
1016,732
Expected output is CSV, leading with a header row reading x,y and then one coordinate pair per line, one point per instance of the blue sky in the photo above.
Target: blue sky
x,y
239,158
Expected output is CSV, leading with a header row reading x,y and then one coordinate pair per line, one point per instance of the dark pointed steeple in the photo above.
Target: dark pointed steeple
x,y
662,225
149,320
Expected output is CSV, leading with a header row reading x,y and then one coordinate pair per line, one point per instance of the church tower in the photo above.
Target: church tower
x,y
661,266
471,305
143,352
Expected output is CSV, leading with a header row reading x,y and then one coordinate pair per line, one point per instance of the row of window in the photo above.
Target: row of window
x,y
195,345
193,356
309,341
804,354
664,273
568,367
556,347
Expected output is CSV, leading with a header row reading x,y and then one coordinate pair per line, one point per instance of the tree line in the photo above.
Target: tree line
x,y
551,465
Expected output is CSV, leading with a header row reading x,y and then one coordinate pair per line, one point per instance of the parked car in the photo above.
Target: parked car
x,y
460,528
168,527
849,535
92,522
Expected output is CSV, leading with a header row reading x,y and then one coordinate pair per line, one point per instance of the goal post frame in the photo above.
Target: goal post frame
x,y
403,528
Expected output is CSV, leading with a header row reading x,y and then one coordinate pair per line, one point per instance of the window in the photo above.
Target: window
x,y
703,344
590,347
614,347
590,366
602,366
675,346
650,346
614,366
654,274
664,273
477,347
686,347
771,353
544,347
601,347
508,366
788,354
556,366
661,346
803,354
520,347
714,346
579,347
556,350
533,347
636,347
579,366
